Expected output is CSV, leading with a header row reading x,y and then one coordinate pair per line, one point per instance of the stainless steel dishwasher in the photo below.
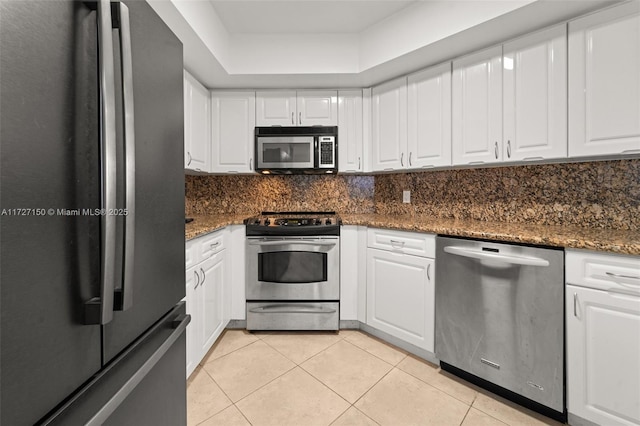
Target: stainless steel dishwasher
x,y
500,319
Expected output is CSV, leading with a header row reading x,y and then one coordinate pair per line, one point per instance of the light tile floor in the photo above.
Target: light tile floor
x,y
345,378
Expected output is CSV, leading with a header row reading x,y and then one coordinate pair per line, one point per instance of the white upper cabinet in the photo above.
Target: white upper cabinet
x,y
301,108
350,147
197,139
317,108
429,117
233,120
604,82
389,125
535,96
477,108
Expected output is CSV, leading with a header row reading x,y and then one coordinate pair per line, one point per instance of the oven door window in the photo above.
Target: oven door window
x,y
292,267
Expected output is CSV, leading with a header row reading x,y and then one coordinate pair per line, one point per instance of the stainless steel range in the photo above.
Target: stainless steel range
x,y
293,271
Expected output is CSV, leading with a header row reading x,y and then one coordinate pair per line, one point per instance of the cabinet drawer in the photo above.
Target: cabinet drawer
x,y
414,243
210,244
602,271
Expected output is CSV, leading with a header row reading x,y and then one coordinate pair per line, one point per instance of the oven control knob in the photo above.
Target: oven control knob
x,y
267,222
256,222
328,222
318,222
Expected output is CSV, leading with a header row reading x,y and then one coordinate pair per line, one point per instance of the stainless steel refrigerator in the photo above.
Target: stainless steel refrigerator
x,y
92,224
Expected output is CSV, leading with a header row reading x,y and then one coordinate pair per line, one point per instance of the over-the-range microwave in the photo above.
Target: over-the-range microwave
x,y
297,150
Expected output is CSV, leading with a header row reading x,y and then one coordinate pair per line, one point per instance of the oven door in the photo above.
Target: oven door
x,y
293,268
285,152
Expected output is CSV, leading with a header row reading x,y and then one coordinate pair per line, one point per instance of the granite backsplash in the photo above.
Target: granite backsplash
x,y
602,194
253,194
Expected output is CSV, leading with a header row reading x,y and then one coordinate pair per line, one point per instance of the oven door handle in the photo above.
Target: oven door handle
x,y
505,258
290,242
292,309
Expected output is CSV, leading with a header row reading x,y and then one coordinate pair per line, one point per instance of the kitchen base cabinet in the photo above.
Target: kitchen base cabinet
x,y
353,246
208,295
400,290
603,338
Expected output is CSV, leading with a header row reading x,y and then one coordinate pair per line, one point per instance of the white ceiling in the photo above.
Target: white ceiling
x,y
304,16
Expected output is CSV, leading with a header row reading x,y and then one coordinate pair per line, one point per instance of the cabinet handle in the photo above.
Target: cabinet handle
x,y
410,158
197,279
397,244
508,149
300,117
402,159
359,166
292,122
496,150
250,163
629,277
428,272
189,155
575,305
204,276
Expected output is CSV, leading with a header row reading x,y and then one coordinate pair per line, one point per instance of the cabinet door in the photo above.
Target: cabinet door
x,y
350,131
389,125
400,296
535,101
276,108
317,108
192,280
429,117
604,82
199,144
233,121
212,274
477,108
603,356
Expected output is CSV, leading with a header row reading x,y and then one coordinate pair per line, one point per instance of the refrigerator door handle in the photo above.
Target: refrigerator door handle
x,y
126,299
99,310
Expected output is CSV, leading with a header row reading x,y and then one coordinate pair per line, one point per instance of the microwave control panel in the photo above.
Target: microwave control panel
x,y
327,151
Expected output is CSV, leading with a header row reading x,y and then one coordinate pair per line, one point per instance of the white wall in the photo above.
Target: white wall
x,y
425,23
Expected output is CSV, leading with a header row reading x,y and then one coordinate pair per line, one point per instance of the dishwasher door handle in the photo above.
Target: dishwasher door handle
x,y
505,258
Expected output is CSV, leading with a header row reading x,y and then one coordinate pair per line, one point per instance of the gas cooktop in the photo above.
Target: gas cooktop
x,y
294,223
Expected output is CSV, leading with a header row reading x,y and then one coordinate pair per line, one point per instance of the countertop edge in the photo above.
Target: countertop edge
x,y
603,240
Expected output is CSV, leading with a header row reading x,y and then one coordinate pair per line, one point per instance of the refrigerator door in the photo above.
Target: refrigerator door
x,y
158,255
143,386
49,260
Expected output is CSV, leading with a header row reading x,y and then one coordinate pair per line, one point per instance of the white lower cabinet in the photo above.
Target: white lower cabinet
x,y
353,273
603,338
208,297
400,292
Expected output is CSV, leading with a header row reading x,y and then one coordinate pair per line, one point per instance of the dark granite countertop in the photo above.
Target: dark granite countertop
x,y
607,240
